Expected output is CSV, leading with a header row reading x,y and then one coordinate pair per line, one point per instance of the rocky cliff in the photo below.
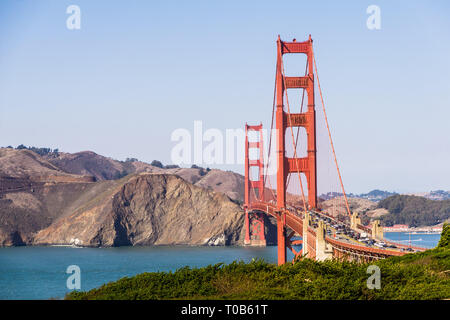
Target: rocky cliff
x,y
149,209
28,209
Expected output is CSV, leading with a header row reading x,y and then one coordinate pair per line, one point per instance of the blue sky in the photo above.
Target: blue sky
x,y
138,70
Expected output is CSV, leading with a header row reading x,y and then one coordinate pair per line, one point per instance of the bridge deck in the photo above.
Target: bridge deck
x,y
295,222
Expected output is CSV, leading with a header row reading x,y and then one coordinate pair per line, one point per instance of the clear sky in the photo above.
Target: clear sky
x,y
138,70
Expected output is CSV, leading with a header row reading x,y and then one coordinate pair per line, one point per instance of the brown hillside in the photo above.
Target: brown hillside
x,y
102,168
25,164
230,183
150,209
364,207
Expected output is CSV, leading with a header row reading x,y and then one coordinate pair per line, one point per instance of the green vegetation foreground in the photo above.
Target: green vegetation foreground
x,y
424,275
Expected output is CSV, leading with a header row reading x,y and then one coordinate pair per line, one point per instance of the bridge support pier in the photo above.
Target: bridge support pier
x,y
254,229
247,228
281,239
377,230
323,250
305,234
354,221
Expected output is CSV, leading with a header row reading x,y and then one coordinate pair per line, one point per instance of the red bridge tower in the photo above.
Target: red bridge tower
x,y
306,165
254,190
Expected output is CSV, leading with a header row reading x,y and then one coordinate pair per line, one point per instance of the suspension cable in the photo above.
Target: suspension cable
x,y
329,134
270,137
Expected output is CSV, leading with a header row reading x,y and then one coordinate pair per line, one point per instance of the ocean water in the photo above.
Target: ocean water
x,y
40,272
420,240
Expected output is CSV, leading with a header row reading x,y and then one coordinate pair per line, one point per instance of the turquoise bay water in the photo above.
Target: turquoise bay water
x,y
421,239
40,272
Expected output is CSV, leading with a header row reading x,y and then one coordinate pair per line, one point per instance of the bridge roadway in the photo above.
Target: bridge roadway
x,y
340,248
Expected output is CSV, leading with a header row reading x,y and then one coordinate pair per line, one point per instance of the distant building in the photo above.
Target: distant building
x,y
405,228
396,228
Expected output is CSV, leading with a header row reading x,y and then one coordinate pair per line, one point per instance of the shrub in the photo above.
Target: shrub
x,y
157,163
413,276
171,166
444,242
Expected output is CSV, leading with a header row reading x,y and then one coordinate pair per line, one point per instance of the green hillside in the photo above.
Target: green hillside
x,y
422,275
414,211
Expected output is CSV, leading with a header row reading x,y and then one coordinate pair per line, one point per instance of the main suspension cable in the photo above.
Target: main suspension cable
x,y
329,135
270,138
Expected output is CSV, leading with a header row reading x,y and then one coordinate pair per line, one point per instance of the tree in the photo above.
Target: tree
x,y
444,242
171,166
414,211
157,163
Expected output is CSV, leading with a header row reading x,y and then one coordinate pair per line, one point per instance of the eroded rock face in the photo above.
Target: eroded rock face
x,y
150,209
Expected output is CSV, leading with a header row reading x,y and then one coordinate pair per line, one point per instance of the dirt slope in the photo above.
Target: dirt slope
x,y
102,168
364,207
25,164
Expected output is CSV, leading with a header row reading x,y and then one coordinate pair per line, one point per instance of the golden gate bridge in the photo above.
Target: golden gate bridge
x,y
301,216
